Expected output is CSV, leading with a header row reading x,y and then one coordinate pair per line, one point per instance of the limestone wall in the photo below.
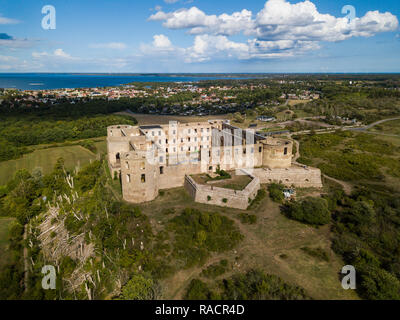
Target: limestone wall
x,y
295,175
235,199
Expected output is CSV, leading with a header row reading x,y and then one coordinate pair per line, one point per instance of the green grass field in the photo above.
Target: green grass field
x,y
4,228
45,159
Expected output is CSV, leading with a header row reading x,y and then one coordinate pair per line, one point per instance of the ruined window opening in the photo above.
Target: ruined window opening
x,y
127,164
128,178
285,152
210,168
143,178
118,157
259,149
161,170
142,166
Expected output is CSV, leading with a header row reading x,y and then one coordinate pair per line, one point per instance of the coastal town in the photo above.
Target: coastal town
x,y
179,98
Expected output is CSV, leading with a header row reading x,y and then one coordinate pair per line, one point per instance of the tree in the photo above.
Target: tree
x,y
138,288
237,117
313,211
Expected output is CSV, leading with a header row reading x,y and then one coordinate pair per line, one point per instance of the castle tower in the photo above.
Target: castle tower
x,y
140,173
277,153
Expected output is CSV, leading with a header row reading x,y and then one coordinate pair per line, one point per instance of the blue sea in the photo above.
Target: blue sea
x,y
36,81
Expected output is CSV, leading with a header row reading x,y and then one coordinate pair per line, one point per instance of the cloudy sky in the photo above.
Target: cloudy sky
x,y
201,36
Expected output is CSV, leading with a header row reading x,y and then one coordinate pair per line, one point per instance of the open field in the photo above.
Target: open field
x,y
294,102
273,244
4,229
45,159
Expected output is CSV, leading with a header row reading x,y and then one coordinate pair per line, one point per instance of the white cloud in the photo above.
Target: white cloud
x,y
199,23
4,20
206,47
17,43
58,54
279,20
161,41
109,45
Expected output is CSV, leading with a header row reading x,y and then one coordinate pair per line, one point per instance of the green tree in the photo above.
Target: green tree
x,y
138,288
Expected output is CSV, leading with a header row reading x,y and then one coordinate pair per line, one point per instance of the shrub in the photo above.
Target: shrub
x,y
168,211
138,288
255,285
318,253
197,234
198,290
313,211
259,197
248,218
276,192
216,269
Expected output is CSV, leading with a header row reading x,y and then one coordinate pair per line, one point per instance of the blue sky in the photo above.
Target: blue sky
x,y
200,36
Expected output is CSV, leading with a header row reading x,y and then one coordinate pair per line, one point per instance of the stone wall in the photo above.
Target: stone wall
x,y
235,199
298,176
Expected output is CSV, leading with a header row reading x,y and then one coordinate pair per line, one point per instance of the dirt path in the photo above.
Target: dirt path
x,y
379,122
347,187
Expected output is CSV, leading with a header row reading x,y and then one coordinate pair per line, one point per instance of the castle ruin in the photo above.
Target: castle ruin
x,y
150,158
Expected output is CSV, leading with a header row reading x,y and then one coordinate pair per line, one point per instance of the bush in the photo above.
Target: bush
x,y
255,285
276,192
259,197
318,253
312,211
248,218
215,270
138,288
197,234
198,290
